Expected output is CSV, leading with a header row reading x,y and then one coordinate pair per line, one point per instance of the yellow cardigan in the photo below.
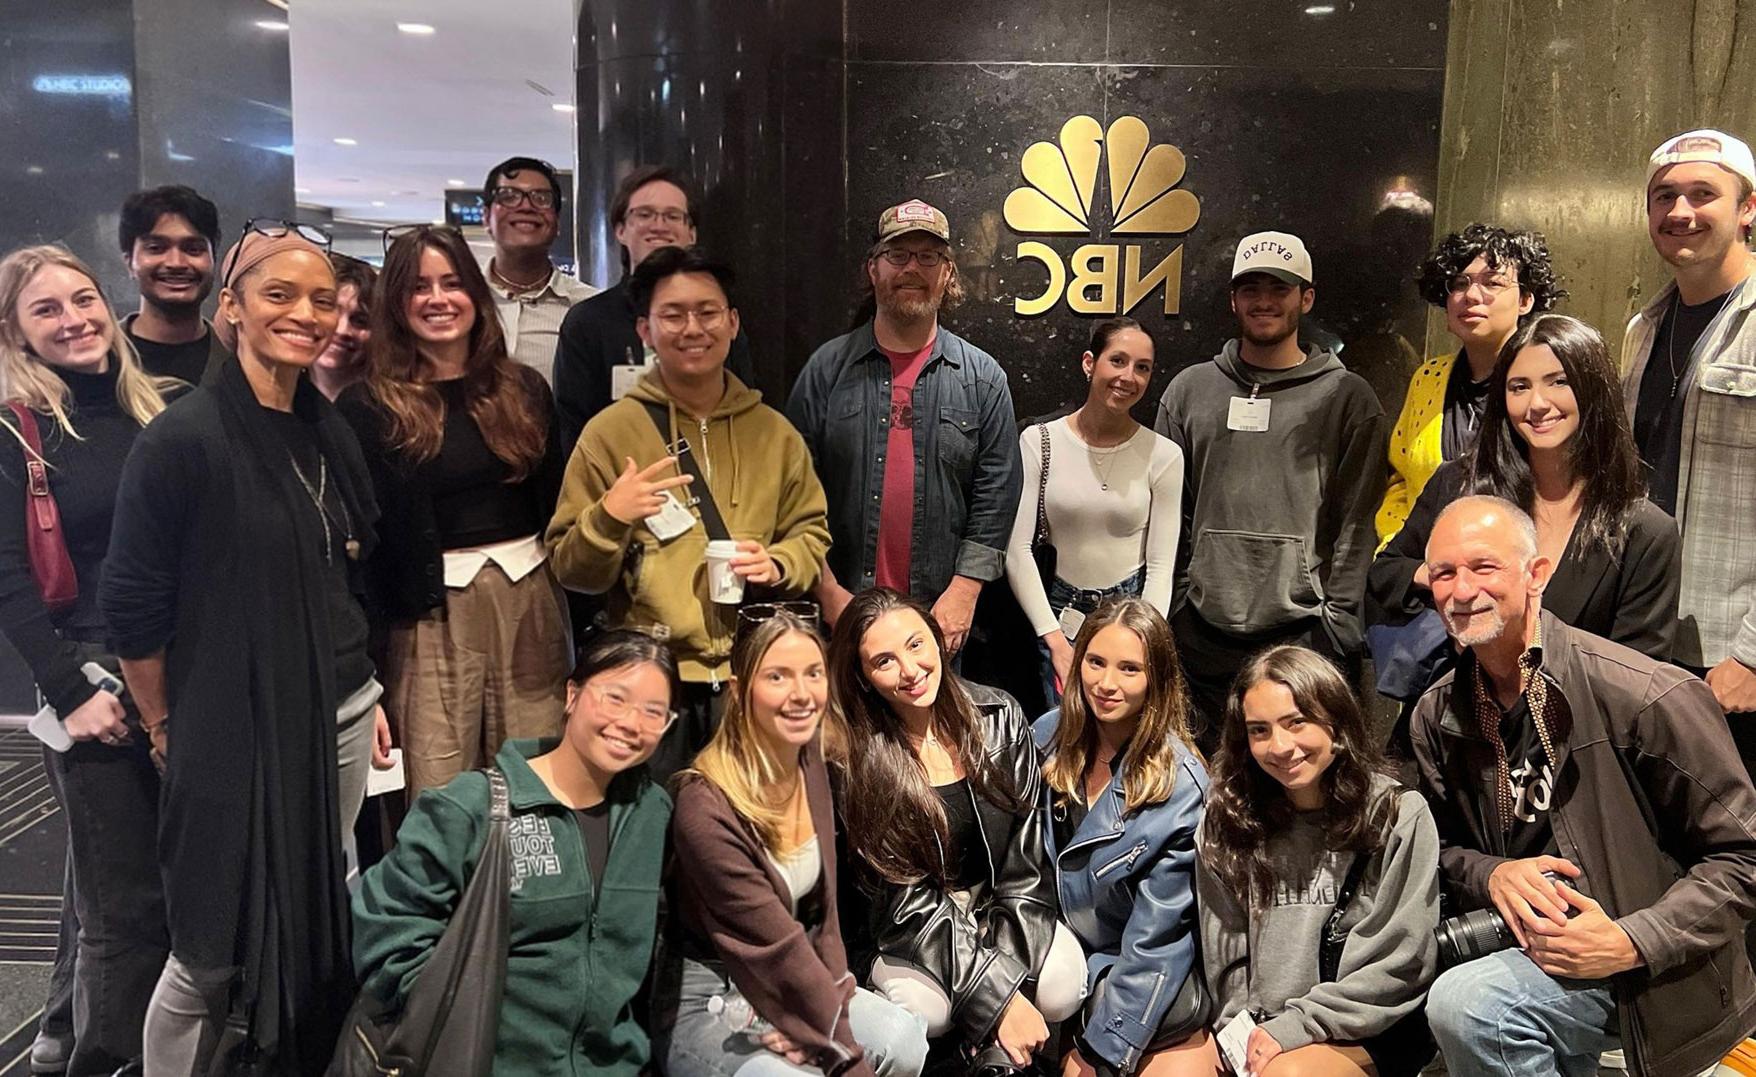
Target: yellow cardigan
x,y
1416,450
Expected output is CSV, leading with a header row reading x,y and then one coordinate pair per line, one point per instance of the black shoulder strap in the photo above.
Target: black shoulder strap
x,y
699,495
1349,884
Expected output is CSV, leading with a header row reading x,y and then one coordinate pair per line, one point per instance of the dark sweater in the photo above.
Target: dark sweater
x,y
599,334
1631,599
732,905
83,473
458,499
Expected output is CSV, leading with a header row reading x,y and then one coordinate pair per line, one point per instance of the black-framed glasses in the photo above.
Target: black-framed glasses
x,y
542,198
274,228
898,257
397,231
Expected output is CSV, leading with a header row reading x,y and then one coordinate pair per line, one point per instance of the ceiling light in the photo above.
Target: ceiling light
x,y
380,205
301,190
35,170
277,25
112,155
346,142
453,183
419,29
559,107
1320,9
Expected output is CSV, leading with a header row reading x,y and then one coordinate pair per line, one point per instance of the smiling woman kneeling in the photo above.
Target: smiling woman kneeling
x,y
1304,836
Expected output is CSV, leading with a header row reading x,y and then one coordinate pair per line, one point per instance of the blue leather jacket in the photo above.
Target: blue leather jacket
x,y
1127,889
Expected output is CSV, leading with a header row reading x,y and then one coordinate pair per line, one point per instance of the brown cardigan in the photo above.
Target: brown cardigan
x,y
730,901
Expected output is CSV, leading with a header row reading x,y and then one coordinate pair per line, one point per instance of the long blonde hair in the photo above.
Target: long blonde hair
x,y
737,760
28,380
1150,770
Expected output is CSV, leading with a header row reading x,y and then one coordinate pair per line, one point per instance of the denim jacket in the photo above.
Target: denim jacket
x,y
967,470
1126,883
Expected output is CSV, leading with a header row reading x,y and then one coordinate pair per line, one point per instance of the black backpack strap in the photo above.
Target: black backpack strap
x,y
699,495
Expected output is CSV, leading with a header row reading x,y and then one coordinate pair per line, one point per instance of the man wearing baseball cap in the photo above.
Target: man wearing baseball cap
x,y
1690,390
1284,457
912,430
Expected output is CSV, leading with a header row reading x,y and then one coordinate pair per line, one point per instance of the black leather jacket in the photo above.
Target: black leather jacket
x,y
982,956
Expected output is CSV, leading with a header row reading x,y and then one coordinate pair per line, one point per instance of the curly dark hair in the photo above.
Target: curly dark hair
x,y
1529,251
1245,804
1601,451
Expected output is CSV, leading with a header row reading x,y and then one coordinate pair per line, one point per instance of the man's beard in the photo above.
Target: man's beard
x,y
1484,627
1290,328
177,307
908,310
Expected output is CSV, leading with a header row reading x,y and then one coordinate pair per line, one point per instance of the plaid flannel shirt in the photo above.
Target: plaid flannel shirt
x,y
1716,476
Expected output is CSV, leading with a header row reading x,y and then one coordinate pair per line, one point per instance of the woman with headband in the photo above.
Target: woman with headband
x,y
230,595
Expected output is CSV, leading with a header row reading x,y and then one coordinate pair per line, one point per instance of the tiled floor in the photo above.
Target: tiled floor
x,y
33,843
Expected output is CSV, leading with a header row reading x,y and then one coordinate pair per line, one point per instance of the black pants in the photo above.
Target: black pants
x,y
110,796
1213,657
698,708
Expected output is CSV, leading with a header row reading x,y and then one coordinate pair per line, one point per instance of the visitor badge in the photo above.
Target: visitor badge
x,y
1234,1040
622,379
1071,622
1249,414
671,520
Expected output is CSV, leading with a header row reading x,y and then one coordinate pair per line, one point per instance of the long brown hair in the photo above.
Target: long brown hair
x,y
502,394
1149,772
736,760
895,822
1245,805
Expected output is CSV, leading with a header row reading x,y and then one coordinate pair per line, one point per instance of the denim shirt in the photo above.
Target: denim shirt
x,y
967,469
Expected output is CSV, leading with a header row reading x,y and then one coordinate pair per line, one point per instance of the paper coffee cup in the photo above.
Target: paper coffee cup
x,y
723,585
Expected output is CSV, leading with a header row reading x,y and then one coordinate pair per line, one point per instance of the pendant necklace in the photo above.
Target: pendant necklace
x,y
1671,343
350,544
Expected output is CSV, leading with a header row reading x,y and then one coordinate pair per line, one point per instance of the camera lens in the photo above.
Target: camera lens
x,y
1472,935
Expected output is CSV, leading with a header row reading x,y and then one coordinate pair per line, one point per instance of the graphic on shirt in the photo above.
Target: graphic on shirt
x,y
533,850
902,408
1532,789
1059,197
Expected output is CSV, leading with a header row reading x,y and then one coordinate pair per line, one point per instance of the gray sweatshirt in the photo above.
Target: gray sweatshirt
x,y
1266,959
1277,522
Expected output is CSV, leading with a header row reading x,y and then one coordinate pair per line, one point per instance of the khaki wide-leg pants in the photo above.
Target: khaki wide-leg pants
x,y
489,665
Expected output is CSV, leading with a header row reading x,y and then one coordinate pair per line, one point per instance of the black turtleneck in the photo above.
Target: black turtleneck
x,y
83,472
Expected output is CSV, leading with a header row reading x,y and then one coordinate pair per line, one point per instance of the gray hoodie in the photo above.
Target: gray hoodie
x,y
1277,523
1265,959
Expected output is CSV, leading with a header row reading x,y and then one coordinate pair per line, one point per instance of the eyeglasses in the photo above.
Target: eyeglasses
x,y
616,706
508,197
397,231
647,215
274,228
1491,284
676,321
925,259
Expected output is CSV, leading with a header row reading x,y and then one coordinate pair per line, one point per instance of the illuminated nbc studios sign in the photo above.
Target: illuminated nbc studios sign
x,y
1061,185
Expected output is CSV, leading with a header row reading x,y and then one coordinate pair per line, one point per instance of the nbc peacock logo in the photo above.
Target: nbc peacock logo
x,y
1060,198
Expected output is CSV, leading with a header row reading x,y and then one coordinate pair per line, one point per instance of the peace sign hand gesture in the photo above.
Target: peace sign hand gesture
x,y
637,494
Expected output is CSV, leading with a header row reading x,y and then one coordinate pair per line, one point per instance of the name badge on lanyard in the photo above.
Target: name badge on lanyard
x,y
1248,414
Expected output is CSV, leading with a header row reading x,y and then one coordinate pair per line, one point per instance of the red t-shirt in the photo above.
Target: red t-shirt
x,y
896,514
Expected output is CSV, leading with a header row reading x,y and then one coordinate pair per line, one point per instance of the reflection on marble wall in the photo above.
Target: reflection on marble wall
x,y
1551,111
1286,117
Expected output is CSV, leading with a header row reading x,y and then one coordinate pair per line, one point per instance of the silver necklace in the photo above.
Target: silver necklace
x,y
350,545
1671,343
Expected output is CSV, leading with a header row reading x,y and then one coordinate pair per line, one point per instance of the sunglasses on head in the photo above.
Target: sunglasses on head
x,y
397,231
274,228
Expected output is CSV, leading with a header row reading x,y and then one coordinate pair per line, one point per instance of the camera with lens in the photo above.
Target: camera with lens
x,y
1480,932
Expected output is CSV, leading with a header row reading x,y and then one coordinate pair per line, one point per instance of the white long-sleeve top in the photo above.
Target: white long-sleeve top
x,y
1101,536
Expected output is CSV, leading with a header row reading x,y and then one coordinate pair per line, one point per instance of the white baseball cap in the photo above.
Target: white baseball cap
x,y
1714,147
1279,254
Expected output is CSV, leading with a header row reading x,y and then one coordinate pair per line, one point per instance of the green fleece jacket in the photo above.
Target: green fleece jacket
x,y
579,948
760,473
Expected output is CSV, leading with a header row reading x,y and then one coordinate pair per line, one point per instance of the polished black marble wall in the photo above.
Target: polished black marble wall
x,y
102,97
1320,119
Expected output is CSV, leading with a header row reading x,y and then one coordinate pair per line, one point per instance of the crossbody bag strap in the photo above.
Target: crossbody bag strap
x,y
36,471
1042,531
1333,936
700,495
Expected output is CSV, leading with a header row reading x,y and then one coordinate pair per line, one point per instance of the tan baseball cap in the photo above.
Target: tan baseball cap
x,y
1281,255
913,216
1714,147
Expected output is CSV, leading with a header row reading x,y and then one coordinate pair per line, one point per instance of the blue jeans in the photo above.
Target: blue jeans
x,y
699,1045
1501,1015
1062,595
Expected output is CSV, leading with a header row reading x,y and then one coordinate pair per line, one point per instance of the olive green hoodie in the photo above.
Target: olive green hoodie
x,y
760,473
